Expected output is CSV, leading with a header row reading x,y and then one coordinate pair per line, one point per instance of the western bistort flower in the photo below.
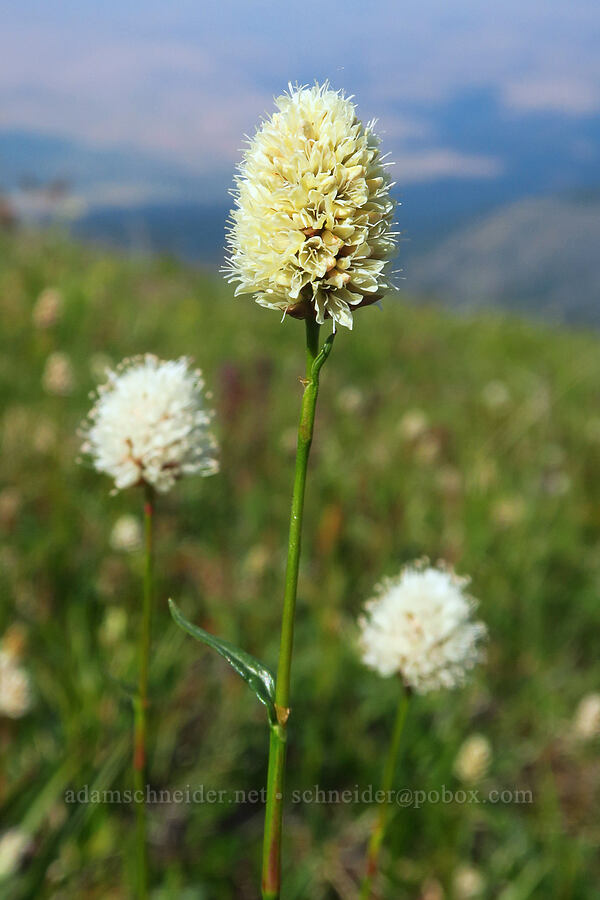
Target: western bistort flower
x,y
311,233
48,308
14,845
587,717
419,626
150,424
126,534
473,759
467,883
15,689
58,377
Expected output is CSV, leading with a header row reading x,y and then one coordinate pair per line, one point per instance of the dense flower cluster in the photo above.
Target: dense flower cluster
x,y
312,229
150,425
419,626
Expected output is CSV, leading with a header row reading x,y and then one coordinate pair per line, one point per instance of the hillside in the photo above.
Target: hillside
x,y
537,255
472,438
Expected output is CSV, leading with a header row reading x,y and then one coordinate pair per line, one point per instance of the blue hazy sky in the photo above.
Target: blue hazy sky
x,y
186,80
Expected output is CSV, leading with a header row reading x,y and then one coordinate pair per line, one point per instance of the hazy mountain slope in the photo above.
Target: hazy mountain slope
x,y
539,254
99,176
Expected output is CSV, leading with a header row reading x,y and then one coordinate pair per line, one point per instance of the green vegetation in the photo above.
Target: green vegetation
x,y
472,439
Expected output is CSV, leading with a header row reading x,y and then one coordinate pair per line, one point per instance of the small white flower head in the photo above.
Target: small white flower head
x,y
312,230
495,395
467,883
15,687
48,308
150,424
473,759
14,845
126,534
114,626
58,377
419,626
586,724
413,425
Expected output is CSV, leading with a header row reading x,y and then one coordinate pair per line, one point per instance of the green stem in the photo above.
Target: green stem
x,y
271,873
386,786
141,704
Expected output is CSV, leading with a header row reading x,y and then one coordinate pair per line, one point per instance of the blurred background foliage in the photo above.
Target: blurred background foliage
x,y
475,439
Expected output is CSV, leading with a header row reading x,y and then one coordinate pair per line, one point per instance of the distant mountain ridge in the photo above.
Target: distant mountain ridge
x,y
539,255
119,177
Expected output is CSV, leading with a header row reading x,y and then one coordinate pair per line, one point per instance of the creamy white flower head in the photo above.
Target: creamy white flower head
x,y
473,759
467,883
150,425
419,626
15,687
312,229
48,308
14,844
126,534
58,377
587,717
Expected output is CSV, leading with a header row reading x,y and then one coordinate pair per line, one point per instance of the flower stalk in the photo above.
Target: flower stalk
x,y
141,703
387,782
271,873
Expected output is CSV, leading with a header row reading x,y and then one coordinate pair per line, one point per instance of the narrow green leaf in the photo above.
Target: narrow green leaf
x,y
322,356
252,671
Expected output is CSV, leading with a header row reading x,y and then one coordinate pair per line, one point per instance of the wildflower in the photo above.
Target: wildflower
x,y
495,395
14,845
58,377
126,534
473,759
15,690
419,626
114,625
431,889
14,641
556,484
312,229
351,399
150,425
586,724
45,436
467,883
48,308
413,425
509,511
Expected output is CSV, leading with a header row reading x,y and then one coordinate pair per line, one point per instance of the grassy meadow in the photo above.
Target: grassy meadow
x,y
473,439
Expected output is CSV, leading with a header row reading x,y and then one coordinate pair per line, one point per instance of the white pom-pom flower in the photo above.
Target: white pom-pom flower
x,y
419,626
14,845
312,230
15,687
150,425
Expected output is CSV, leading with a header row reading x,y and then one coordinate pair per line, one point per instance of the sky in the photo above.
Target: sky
x,y
187,80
